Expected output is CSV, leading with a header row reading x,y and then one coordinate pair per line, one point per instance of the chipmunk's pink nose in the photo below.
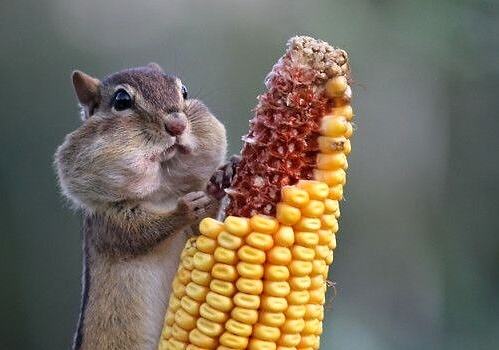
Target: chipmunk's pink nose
x,y
176,123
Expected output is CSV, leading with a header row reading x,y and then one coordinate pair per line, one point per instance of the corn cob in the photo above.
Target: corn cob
x,y
257,280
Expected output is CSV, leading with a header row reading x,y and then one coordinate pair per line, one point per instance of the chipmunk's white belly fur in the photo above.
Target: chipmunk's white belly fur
x,y
128,298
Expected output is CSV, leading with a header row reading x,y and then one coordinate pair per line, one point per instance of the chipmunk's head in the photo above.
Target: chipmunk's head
x,y
142,137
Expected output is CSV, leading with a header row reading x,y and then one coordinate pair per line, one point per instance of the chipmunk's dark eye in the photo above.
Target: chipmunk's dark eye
x,y
122,100
184,92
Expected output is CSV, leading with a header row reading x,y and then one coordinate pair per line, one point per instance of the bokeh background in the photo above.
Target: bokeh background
x,y
417,265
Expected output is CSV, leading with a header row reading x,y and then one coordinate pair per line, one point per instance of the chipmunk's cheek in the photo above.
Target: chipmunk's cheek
x,y
146,177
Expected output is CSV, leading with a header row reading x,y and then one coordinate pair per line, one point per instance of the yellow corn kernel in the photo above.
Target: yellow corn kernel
x,y
273,304
313,311
249,286
183,275
273,319
331,177
336,87
325,236
284,236
333,126
300,267
224,272
184,320
190,305
219,302
193,347
332,243
238,328
210,227
316,281
295,311
167,332
248,270
307,239
213,314
331,206
208,327
200,339
308,224
259,240
251,255
233,341
202,278
178,288
294,196
318,266
283,348
290,340
317,296
316,189
187,263
293,325
286,214
224,255
311,326
321,251
264,332
279,256
229,241
247,316
176,345
247,301
345,111
170,317
264,224
336,192
206,244
258,344
203,261
237,226
298,297
307,341
303,253
349,131
276,288
329,258
331,161
223,287
328,221
276,273
196,292
314,208
334,144
300,282
174,302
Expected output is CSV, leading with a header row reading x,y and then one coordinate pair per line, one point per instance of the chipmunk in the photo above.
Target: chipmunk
x,y
137,168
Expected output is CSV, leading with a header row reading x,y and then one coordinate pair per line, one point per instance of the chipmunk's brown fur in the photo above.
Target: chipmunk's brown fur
x,y
138,174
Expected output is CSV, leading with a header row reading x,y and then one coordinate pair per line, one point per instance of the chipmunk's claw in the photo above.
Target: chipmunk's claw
x,y
222,178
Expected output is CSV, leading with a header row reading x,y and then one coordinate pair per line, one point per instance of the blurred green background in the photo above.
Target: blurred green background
x,y
418,260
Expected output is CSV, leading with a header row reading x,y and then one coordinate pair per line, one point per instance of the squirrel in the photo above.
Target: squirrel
x,y
139,168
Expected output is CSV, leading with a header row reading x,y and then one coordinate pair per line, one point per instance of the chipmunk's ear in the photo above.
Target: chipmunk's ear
x,y
155,66
87,90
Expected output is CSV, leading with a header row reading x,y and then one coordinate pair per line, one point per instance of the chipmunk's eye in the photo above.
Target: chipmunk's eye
x,y
122,100
184,92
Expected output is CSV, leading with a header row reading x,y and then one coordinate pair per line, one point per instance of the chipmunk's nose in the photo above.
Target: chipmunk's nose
x,y
175,123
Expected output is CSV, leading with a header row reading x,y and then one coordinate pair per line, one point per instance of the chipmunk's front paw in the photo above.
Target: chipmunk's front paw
x,y
223,177
197,205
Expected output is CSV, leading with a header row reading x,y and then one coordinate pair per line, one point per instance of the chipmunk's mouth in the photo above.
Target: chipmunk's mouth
x,y
172,150
168,153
